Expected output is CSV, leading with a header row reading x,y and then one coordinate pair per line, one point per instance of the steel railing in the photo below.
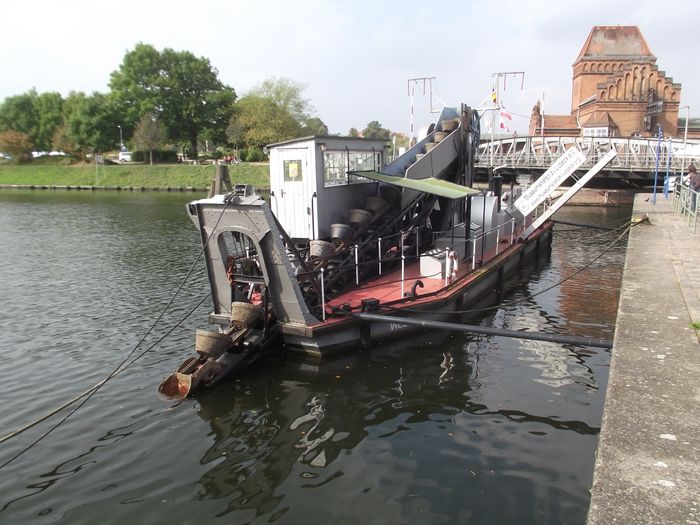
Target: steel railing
x,y
685,203
632,154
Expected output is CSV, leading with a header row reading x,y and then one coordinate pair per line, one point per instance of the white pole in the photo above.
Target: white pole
x,y
448,266
379,250
323,297
410,137
685,138
498,238
357,268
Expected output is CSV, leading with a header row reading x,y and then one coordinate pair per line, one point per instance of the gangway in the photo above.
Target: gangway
x,y
550,180
636,158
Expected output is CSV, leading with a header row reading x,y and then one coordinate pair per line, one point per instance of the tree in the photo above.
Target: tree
x,y
36,115
183,91
17,114
353,132
314,126
61,140
288,95
258,121
17,144
399,140
374,130
149,134
49,111
90,122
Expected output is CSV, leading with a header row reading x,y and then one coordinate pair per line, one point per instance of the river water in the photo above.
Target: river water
x,y
438,428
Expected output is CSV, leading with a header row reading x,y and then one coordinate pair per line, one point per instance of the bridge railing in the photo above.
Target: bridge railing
x,y
632,154
685,202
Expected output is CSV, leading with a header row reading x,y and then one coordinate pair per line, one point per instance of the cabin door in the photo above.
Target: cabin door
x,y
295,171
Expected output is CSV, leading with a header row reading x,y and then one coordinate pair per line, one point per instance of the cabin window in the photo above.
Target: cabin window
x,y
336,165
292,171
597,132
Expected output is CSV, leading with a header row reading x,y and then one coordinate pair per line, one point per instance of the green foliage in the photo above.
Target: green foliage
x,y
272,112
288,95
149,134
695,325
400,140
314,126
353,132
90,122
157,176
182,90
258,121
135,85
252,154
49,112
37,116
17,114
374,130
61,140
17,144
167,155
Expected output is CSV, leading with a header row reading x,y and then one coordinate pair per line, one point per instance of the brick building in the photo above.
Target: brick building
x,y
617,90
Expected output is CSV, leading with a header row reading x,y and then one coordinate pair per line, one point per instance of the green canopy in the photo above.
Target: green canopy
x,y
441,188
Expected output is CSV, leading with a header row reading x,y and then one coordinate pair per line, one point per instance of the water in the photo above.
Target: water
x,y
438,428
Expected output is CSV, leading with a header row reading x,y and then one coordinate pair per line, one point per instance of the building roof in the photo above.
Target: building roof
x,y
599,119
615,43
324,137
560,122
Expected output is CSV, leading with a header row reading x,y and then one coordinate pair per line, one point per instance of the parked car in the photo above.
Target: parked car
x,y
5,156
124,156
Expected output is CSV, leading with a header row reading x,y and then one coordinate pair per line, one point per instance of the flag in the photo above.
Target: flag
x,y
505,114
493,95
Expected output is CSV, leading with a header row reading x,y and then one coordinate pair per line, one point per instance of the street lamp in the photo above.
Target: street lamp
x,y
685,138
121,140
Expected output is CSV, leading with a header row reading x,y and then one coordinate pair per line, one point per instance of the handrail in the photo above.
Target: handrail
x,y
450,268
685,203
632,153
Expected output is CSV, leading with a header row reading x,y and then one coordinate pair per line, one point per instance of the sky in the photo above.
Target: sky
x,y
355,57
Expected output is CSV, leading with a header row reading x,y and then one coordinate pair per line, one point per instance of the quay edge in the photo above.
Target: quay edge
x,y
647,467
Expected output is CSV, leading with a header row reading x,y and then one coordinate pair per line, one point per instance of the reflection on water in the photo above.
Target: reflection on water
x,y
438,428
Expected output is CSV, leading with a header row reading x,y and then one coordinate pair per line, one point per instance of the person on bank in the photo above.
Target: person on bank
x,y
694,184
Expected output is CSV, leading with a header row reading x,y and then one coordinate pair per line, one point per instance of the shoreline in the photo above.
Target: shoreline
x,y
53,187
585,197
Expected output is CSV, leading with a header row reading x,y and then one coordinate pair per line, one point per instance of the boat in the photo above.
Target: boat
x,y
348,233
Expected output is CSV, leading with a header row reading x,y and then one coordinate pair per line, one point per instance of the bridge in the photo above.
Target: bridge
x,y
635,163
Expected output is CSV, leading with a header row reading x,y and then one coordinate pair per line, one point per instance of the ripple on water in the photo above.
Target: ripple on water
x,y
438,428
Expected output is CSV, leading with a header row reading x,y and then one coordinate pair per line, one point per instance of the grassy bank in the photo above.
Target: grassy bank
x,y
158,176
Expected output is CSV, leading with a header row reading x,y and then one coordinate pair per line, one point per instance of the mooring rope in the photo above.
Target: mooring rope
x,y
530,296
87,394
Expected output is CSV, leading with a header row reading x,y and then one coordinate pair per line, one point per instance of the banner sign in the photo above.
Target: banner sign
x,y
550,180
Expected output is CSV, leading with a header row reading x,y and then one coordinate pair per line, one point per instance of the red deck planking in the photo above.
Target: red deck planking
x,y
387,287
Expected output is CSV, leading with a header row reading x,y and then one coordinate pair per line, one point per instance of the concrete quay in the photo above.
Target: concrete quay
x,y
648,461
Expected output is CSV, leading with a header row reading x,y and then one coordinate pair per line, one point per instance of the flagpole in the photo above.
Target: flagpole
x,y
498,76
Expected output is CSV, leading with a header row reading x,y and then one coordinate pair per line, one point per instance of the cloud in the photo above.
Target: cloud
x,y
355,58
